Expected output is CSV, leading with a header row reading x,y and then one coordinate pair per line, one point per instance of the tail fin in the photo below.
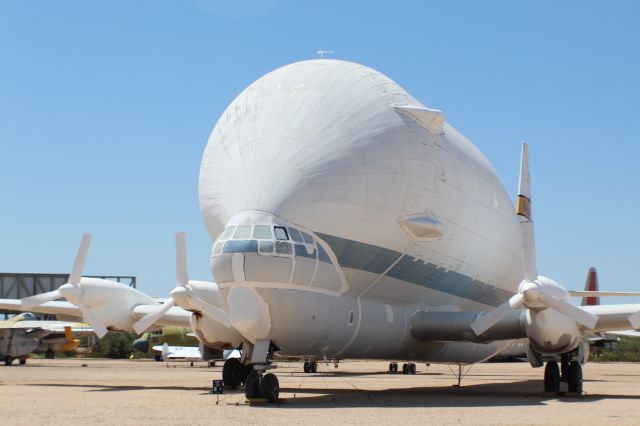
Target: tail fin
x,y
591,285
165,351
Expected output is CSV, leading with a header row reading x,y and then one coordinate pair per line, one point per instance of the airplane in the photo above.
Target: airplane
x,y
172,336
350,221
24,334
180,343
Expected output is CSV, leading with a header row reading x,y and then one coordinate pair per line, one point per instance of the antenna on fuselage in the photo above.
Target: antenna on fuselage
x,y
324,52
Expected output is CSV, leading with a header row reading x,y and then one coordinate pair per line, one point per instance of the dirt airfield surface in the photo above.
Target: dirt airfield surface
x,y
123,392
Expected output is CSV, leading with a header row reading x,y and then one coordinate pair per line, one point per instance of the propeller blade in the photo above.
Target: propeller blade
x,y
148,320
96,324
39,299
81,257
211,311
567,309
182,277
491,318
634,320
523,210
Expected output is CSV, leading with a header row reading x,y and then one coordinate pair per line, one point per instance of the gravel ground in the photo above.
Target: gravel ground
x,y
123,392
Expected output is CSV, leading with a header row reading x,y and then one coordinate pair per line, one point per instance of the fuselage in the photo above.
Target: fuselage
x,y
335,217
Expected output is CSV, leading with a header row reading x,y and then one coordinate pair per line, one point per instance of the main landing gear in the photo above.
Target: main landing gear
x,y
573,377
310,367
407,368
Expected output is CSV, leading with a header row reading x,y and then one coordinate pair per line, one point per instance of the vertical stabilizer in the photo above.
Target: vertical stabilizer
x,y
591,285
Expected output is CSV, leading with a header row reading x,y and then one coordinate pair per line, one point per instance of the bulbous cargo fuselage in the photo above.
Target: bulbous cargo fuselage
x,y
343,215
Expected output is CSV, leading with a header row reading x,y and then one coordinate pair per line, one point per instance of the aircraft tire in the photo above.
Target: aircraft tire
x,y
23,360
252,386
405,368
49,354
8,360
551,377
232,373
574,377
412,368
313,367
306,367
157,358
270,387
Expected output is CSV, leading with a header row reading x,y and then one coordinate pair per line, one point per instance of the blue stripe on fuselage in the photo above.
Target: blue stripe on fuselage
x,y
374,259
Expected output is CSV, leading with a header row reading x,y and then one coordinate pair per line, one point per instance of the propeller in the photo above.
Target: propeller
x,y
182,291
71,290
532,293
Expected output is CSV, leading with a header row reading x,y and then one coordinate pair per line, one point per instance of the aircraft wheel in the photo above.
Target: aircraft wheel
x,y
269,387
23,360
49,354
252,386
157,358
232,372
551,377
313,367
405,368
574,377
306,366
391,367
8,360
395,367
412,368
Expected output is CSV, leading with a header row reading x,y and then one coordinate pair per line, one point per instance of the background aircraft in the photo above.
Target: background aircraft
x,y
24,334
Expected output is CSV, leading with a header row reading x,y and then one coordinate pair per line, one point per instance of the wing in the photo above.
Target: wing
x,y
174,316
612,317
55,326
171,352
63,308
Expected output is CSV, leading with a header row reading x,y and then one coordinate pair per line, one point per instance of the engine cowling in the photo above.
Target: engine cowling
x,y
549,331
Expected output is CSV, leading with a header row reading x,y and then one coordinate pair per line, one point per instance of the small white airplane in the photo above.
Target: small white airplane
x,y
350,221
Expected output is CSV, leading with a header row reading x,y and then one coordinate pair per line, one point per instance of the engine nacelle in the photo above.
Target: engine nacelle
x,y
550,332
214,334
112,302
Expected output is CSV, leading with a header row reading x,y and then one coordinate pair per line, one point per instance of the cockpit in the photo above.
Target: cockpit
x,y
276,253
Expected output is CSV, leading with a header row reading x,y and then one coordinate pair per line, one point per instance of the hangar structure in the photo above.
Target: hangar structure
x,y
21,285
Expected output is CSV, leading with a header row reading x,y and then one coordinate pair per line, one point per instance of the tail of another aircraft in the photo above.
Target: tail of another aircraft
x,y
591,285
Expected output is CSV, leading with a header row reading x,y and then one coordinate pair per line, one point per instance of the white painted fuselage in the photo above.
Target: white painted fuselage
x,y
336,216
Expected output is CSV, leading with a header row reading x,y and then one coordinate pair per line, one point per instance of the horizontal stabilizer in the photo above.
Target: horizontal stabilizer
x,y
604,293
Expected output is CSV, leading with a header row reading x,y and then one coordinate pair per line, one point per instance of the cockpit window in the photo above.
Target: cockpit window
x,y
307,238
265,247
262,232
281,233
242,232
283,247
217,248
228,231
295,235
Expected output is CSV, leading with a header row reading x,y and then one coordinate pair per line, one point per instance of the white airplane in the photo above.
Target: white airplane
x,y
351,221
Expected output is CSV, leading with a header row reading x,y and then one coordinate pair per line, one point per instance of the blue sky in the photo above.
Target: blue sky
x,y
105,110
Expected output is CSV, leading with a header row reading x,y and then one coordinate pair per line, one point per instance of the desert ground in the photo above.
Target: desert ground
x,y
127,392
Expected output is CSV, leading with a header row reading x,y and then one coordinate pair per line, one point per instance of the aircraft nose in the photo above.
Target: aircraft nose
x,y
141,345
